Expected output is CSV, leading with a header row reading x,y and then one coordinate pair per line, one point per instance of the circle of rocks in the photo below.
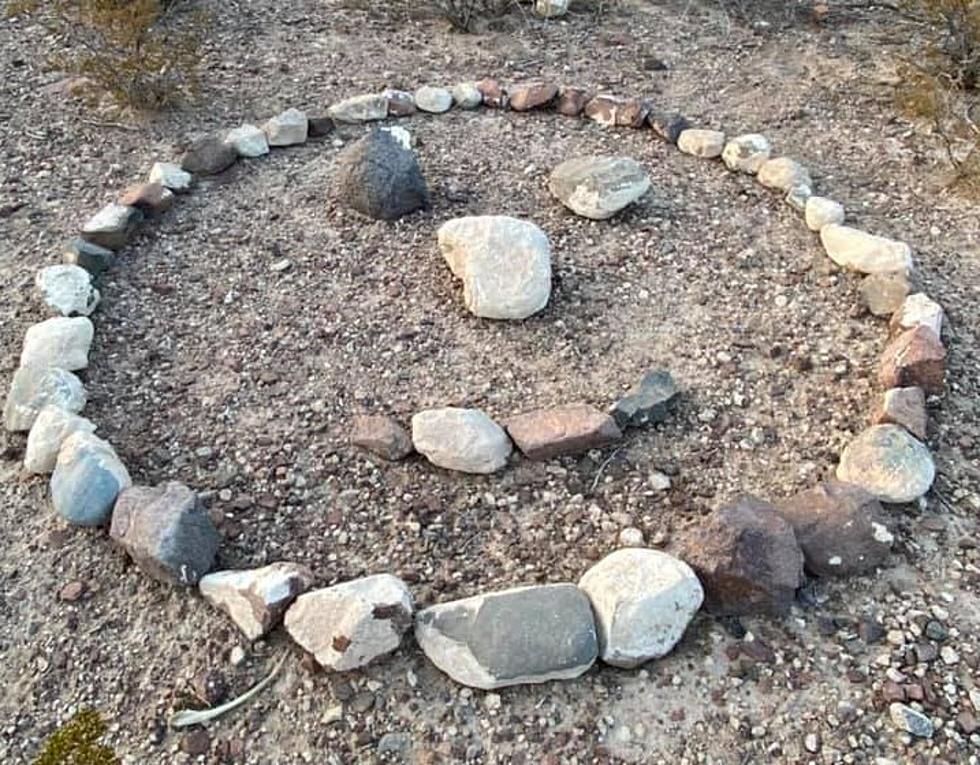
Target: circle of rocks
x,y
631,607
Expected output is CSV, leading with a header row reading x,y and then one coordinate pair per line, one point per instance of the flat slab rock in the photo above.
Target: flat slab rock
x,y
649,402
598,187
256,599
859,251
34,388
87,479
571,429
381,435
889,463
460,439
522,635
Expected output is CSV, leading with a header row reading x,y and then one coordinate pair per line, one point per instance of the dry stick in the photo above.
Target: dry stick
x,y
598,473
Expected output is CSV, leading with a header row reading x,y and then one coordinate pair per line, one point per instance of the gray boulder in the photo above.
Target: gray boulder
x,y
380,178
87,479
208,156
34,388
598,187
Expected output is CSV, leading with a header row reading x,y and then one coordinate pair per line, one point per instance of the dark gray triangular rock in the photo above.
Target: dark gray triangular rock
x,y
649,402
380,178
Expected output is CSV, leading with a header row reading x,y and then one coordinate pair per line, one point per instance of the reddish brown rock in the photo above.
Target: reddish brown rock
x,y
747,557
148,198
914,358
382,436
615,111
905,407
536,95
72,591
494,96
571,101
547,433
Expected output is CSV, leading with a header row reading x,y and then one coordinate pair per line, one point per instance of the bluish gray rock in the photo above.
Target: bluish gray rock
x,y
91,257
649,402
87,479
34,388
380,178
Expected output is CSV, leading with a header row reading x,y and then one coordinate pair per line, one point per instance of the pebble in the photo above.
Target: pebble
x,y
821,211
170,176
647,403
466,95
433,100
884,293
746,153
783,174
911,720
381,435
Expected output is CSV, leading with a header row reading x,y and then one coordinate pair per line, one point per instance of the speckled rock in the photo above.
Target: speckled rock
x,y
905,407
911,720
598,187
288,128
208,156
701,143
87,479
821,211
50,430
112,226
248,140
746,153
380,178
460,439
62,342
381,435
66,290
888,462
884,293
570,429
34,388
783,173
366,108
914,358
859,251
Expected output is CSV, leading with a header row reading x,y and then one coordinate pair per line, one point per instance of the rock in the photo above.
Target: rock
x,y
747,558
166,532
821,211
171,176
905,407
701,143
647,403
783,173
58,342
914,358
380,178
643,601
248,141
612,111
504,264
910,720
889,463
112,226
841,529
67,290
91,257
87,478
746,153
52,427
256,599
433,100
550,9
598,187
521,635
494,96
571,101
208,156
854,249
630,537
319,125
382,436
668,125
884,293
798,196
401,103
366,108
918,310
572,429
466,95
536,95
460,439
400,134
349,625
289,128
34,388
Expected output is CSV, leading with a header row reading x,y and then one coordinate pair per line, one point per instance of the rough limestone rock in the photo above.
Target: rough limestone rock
x,y
783,173
400,103
256,599
248,140
349,625
701,143
91,257
905,407
504,264
598,187
171,176
859,251
87,479
34,388
380,178
821,211
61,342
884,293
615,111
50,430
460,439
643,601
67,290
572,429
550,9
433,100
112,226
747,558
166,531
208,156
888,462
918,310
466,95
382,436
746,153
668,125
649,402
511,637
366,108
914,358
289,128
571,101
537,95
841,529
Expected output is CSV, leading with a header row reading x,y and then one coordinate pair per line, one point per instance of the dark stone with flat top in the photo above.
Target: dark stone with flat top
x,y
649,402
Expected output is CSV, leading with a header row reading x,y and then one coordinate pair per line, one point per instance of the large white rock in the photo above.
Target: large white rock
x,y
350,625
889,463
256,599
50,430
701,143
550,9
820,212
287,129
461,439
366,108
67,290
466,95
248,140
504,264
433,100
746,153
859,251
918,310
598,187
61,342
34,388
171,176
643,601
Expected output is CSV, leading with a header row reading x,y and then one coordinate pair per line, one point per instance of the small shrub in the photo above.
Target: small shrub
x,y
77,743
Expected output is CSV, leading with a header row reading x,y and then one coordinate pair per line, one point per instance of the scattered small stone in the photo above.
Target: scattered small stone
x,y
598,187
571,429
87,478
67,290
112,226
911,720
504,264
571,101
91,257
522,635
884,293
668,125
647,403
643,601
702,143
550,9
73,591
631,537
494,96
50,430
166,531
248,140
466,95
289,128
366,108
611,111
149,198
746,153
812,743
889,463
536,95
62,342
33,388
905,407
349,625
171,176
208,156
658,481
936,631
859,251
460,439
382,436
798,196
256,599
914,358
918,310
394,743
968,722
433,100
380,178
821,211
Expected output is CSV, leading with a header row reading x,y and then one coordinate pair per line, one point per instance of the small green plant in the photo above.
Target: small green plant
x,y
143,53
77,743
